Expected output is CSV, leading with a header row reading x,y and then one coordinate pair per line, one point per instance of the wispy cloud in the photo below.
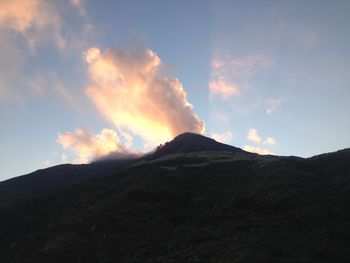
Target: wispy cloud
x,y
220,117
229,75
129,89
272,105
47,83
25,26
225,137
220,87
79,4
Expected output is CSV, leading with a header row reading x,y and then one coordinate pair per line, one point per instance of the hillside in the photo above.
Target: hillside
x,y
206,205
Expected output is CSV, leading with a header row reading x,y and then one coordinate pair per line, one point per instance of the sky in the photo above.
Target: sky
x,y
81,80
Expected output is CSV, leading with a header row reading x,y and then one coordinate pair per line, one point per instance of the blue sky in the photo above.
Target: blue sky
x,y
266,76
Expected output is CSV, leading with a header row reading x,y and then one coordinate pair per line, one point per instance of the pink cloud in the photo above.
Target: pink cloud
x,y
129,89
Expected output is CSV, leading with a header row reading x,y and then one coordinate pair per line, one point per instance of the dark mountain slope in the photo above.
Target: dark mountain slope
x,y
212,207
47,181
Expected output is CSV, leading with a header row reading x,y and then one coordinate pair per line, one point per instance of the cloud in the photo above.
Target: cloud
x,y
48,83
229,75
253,136
129,89
222,88
270,141
35,20
87,147
92,54
272,105
239,67
41,21
257,150
27,25
79,5
225,137
17,14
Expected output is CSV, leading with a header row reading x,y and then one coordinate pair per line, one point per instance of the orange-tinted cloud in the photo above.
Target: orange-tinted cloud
x,y
41,21
130,90
220,87
17,14
87,147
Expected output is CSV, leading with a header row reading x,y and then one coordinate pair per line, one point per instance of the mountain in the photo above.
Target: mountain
x,y
190,201
192,142
47,181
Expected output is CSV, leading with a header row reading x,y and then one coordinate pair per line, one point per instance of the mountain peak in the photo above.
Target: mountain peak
x,y
192,142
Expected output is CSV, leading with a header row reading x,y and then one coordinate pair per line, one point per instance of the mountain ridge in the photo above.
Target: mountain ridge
x,y
201,206
192,200
46,181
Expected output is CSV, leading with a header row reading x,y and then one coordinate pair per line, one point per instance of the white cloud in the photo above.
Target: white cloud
x,y
257,150
270,141
253,136
129,89
87,147
225,137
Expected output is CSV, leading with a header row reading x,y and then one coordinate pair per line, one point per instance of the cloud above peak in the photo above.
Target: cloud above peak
x,y
129,89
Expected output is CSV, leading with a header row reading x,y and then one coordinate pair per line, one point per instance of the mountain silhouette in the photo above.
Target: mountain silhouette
x,y
47,181
192,142
191,200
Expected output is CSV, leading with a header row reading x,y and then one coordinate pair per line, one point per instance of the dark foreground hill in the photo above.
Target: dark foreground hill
x,y
184,206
